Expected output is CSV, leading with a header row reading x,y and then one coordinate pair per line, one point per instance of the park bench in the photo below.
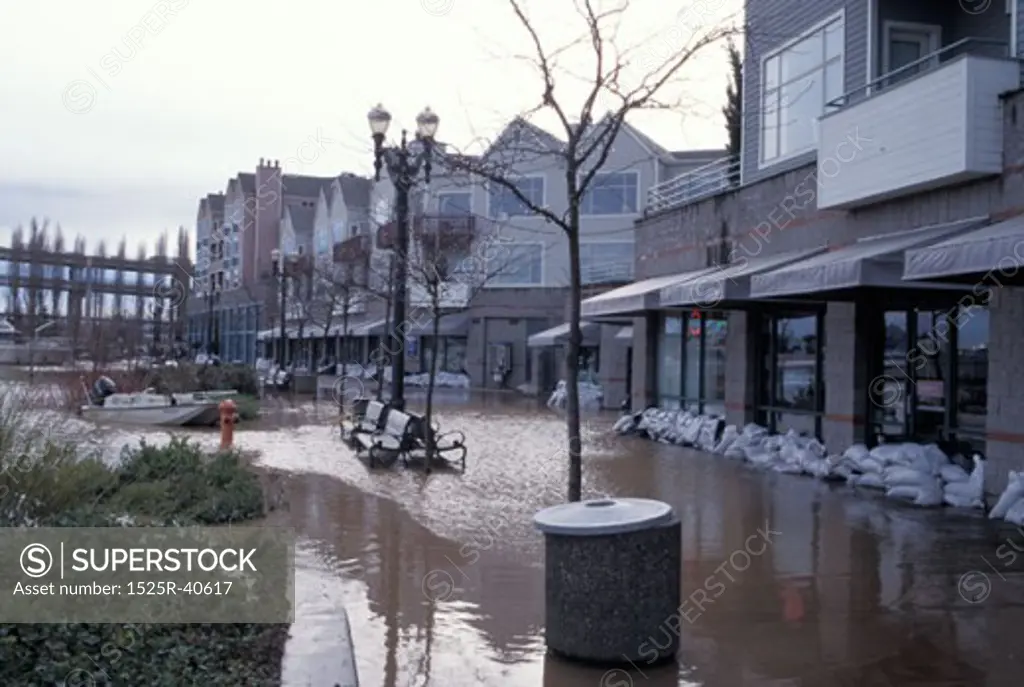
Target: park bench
x,y
391,442
449,447
369,423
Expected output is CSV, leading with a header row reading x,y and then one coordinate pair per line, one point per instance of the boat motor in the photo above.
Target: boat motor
x,y
101,389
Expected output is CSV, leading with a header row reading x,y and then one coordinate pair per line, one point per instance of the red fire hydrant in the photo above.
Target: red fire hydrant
x,y
227,423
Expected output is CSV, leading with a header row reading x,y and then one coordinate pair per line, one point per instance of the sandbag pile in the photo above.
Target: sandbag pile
x,y
591,395
922,475
442,380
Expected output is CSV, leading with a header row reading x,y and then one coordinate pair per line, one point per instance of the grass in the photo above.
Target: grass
x,y
54,482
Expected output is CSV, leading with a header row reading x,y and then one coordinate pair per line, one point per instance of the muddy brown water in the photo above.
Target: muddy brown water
x,y
442,575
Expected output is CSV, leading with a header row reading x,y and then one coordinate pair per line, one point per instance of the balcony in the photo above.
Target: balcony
x,y
934,122
689,187
355,250
454,231
455,295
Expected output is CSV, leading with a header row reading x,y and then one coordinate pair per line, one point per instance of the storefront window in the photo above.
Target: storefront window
x,y
670,361
715,330
451,353
928,393
589,364
691,362
792,388
972,371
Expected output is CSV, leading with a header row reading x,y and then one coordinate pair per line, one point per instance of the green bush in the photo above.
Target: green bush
x,y
46,482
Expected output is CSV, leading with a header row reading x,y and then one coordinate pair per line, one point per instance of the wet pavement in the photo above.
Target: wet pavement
x,y
786,581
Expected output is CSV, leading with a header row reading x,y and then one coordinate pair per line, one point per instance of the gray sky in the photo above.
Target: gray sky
x,y
119,114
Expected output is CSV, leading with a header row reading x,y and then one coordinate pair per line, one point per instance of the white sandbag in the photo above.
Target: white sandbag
x,y
953,473
973,489
819,468
624,424
906,492
930,495
1015,515
856,452
956,500
889,454
868,465
897,476
1013,493
870,480
787,468
729,436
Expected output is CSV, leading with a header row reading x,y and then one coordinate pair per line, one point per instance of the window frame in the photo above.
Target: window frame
x,y
636,200
522,177
819,27
492,277
767,370
439,194
690,319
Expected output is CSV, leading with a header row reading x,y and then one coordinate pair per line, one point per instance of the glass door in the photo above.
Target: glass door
x,y
904,45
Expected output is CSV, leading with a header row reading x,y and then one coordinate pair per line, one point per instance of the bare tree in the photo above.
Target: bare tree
x,y
339,282
448,262
610,82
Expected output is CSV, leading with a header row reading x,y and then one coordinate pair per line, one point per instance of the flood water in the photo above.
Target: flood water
x,y
442,575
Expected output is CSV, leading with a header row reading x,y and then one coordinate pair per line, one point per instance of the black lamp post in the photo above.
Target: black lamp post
x,y
281,271
403,167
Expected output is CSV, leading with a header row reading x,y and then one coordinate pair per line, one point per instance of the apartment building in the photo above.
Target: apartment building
x,y
860,281
237,232
508,331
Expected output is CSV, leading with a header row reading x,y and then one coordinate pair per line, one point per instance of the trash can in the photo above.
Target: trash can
x,y
612,580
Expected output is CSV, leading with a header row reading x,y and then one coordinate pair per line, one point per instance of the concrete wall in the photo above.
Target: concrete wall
x,y
779,214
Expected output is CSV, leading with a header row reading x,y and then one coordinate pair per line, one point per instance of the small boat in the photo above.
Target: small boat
x,y
147,407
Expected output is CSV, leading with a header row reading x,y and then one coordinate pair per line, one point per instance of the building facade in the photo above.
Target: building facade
x,y
510,330
235,287
860,282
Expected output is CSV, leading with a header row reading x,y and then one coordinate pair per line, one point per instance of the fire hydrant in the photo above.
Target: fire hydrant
x,y
227,423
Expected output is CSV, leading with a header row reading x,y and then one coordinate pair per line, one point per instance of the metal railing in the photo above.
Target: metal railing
x,y
609,272
986,47
708,180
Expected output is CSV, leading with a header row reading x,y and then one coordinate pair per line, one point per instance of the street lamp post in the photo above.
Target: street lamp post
x,y
403,167
281,264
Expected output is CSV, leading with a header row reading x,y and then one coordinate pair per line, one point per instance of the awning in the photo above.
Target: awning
x,y
453,324
624,334
559,335
729,282
996,249
635,299
871,262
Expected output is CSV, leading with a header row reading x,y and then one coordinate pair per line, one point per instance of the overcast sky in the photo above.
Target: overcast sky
x,y
119,114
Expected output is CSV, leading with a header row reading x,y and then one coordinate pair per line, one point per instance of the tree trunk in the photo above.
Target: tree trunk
x,y
572,399
344,337
428,416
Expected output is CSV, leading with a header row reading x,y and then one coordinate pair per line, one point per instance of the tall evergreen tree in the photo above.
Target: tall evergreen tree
x,y
733,109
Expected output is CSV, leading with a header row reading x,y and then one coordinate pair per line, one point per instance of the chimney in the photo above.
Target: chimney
x,y
261,162
277,164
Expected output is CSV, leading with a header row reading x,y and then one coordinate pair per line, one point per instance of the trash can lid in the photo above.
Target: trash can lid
x,y
602,516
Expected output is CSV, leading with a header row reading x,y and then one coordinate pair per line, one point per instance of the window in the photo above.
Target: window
x,y
691,361
454,203
934,372
606,262
796,83
791,374
502,201
612,193
518,265
452,353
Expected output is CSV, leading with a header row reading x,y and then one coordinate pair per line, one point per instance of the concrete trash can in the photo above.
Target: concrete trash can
x,y
612,580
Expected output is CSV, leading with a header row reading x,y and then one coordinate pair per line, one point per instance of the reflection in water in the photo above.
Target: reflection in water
x,y
443,576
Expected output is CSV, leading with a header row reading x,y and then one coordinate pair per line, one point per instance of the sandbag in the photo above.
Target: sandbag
x,y
1013,493
856,452
729,436
889,454
869,480
897,476
1015,515
953,473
